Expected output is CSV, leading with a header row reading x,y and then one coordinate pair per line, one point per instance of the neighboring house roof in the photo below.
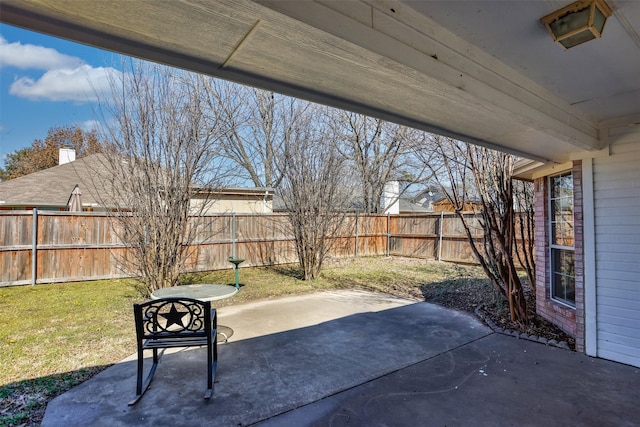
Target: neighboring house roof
x,y
428,197
406,206
52,187
433,199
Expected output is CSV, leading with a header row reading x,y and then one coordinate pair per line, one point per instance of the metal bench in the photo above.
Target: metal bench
x,y
174,322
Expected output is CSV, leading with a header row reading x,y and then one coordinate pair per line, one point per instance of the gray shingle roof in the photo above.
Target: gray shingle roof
x,y
53,186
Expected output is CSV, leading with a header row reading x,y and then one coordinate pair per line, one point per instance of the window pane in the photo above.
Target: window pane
x,y
556,210
565,234
570,290
562,186
561,210
563,277
567,265
566,185
558,288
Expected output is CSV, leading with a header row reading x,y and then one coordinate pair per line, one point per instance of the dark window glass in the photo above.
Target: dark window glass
x,y
563,284
561,223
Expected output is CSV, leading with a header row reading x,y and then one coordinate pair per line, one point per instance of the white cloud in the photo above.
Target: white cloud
x,y
66,78
89,125
28,56
80,84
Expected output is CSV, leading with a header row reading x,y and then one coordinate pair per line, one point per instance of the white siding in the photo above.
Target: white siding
x,y
616,186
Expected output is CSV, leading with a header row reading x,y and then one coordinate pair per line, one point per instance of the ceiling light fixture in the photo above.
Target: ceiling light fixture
x,y
577,23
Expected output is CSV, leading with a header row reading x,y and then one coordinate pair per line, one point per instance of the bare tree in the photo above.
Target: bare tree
x,y
43,154
256,125
315,193
379,152
524,199
158,156
473,172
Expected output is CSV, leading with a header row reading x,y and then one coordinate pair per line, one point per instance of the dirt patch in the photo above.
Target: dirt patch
x,y
478,294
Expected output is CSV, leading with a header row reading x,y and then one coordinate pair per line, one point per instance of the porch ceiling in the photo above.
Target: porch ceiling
x,y
481,71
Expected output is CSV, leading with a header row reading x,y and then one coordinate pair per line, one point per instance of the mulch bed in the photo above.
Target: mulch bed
x,y
469,296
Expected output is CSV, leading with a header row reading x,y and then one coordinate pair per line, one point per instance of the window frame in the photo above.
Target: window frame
x,y
555,247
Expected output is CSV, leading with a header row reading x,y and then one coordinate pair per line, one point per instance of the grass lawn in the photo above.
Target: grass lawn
x,y
55,336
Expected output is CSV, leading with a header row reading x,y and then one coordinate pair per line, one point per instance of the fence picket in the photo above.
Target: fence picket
x,y
82,246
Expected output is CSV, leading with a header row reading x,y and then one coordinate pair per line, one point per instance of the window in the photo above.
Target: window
x,y
563,287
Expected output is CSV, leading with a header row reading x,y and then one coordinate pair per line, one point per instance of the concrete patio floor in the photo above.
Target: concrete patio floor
x,y
361,359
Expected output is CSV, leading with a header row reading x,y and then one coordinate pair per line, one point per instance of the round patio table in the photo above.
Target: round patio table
x,y
204,292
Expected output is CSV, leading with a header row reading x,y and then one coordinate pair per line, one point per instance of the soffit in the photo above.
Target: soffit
x,y
437,66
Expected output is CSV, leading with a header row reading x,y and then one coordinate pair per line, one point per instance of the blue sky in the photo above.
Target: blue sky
x,y
47,82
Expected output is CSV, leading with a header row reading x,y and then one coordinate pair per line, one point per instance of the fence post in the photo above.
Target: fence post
x,y
34,247
440,237
356,248
233,235
388,233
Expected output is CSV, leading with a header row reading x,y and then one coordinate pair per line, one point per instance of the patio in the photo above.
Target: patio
x,y
361,358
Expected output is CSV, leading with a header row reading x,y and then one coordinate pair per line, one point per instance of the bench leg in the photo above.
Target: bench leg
x,y
140,387
208,394
212,363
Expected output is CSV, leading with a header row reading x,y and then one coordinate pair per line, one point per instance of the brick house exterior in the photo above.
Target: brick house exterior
x,y
569,319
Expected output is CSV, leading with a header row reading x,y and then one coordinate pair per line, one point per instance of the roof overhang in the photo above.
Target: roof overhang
x,y
243,192
407,62
22,205
528,170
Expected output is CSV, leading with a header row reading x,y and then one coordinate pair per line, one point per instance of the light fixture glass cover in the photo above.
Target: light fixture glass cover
x,y
577,23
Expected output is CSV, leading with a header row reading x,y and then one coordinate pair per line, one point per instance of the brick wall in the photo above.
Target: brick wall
x,y
570,320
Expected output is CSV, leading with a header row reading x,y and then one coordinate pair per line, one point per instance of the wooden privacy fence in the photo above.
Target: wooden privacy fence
x,y
47,246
